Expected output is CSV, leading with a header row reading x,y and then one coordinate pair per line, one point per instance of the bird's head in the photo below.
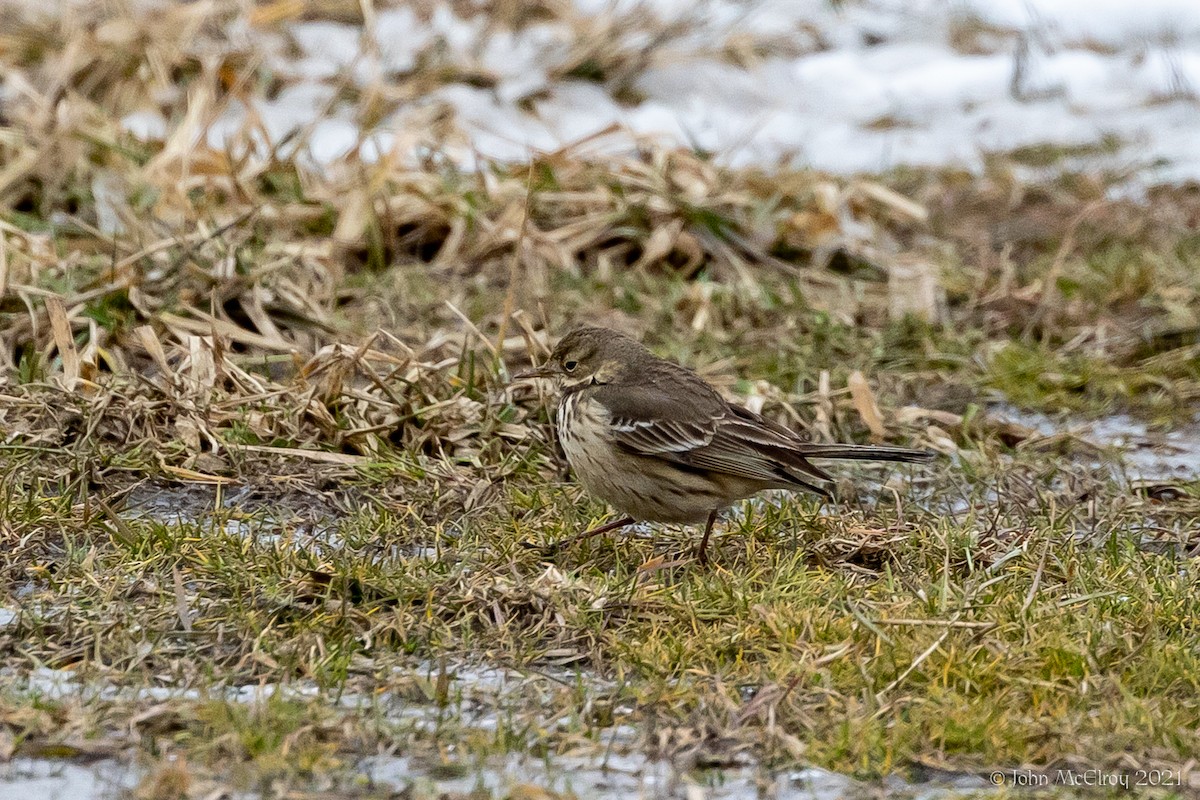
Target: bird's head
x,y
588,355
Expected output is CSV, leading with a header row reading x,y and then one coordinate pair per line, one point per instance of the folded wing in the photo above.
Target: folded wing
x,y
705,432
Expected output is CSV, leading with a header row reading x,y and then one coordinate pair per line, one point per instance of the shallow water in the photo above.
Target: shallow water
x,y
616,768
56,779
612,777
630,777
1146,453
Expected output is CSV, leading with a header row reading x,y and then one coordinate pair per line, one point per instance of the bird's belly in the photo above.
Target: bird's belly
x,y
645,488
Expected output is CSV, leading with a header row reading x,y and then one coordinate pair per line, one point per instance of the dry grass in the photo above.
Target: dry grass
x,y
330,349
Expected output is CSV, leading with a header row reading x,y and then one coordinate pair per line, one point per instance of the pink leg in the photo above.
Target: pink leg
x,y
701,554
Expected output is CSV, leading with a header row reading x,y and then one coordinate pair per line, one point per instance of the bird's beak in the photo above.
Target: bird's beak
x,y
544,371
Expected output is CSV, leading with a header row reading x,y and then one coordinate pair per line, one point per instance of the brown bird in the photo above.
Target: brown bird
x,y
659,444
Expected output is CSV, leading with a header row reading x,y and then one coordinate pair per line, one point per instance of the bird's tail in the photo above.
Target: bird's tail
x,y
863,452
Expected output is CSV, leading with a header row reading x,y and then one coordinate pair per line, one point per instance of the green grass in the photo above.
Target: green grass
x,y
1023,629
1000,611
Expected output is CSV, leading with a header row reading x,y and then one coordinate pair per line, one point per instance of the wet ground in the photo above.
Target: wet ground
x,y
1145,453
57,779
611,778
616,778
617,767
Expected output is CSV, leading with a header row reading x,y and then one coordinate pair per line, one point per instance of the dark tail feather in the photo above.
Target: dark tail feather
x,y
864,452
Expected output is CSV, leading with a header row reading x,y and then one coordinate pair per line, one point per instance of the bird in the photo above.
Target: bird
x,y
659,444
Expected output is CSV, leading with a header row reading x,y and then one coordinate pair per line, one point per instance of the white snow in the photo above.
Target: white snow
x,y
1109,22
864,85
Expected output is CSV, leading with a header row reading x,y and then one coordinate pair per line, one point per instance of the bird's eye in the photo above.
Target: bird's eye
x,y
570,366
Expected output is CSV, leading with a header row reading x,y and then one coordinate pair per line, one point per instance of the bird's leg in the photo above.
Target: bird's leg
x,y
701,555
605,528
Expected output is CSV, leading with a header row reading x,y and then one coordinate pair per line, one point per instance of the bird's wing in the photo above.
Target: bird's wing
x,y
705,432
750,445
649,420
